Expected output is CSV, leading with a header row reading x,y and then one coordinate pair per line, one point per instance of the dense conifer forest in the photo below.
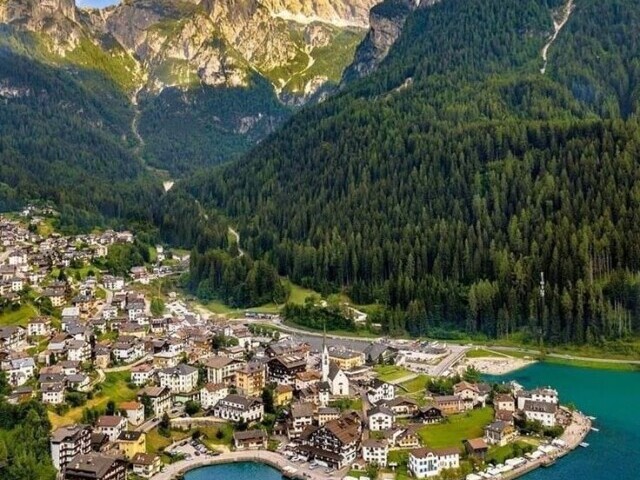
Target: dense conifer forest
x,y
445,183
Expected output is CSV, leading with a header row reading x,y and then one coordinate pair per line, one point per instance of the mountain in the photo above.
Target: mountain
x,y
223,73
494,141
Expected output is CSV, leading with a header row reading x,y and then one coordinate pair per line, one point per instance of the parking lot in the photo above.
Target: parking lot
x,y
188,448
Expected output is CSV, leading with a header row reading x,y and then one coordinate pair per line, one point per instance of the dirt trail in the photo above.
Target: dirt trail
x,y
557,26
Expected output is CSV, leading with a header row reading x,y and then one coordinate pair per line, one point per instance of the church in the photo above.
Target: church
x,y
332,375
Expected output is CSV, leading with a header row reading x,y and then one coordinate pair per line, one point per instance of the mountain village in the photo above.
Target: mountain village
x,y
137,390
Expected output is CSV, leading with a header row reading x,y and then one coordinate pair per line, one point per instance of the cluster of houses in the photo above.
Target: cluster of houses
x,y
106,450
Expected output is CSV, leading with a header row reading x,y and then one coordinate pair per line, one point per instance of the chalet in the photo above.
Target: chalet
x,y
180,379
544,412
212,393
68,441
449,404
12,336
283,394
146,465
39,327
504,402
160,398
131,443
326,414
53,393
380,418
78,350
250,440
19,370
111,425
499,433
471,394
544,395
96,466
375,452
408,438
286,347
429,414
428,462
222,369
283,369
379,391
402,406
476,447
301,416
134,412
239,409
336,442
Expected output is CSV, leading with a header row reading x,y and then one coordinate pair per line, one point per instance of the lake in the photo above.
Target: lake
x,y
235,471
613,398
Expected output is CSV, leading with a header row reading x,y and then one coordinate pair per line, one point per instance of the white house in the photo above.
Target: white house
x,y
546,395
20,370
180,379
375,452
380,390
53,393
160,398
78,350
141,374
239,409
134,412
39,327
428,462
543,412
380,418
212,393
111,425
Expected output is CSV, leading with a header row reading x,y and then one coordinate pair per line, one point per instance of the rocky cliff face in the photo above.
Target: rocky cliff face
x,y
221,43
386,21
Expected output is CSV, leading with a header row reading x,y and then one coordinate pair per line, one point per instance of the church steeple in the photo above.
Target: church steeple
x,y
325,356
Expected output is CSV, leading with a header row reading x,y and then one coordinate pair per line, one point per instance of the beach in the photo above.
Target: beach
x,y
499,365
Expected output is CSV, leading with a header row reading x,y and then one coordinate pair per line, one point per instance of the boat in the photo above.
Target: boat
x,y
594,429
584,444
591,418
549,462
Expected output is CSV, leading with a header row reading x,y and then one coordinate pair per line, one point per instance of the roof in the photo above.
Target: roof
x,y
215,387
544,407
372,443
284,389
109,421
182,369
380,409
130,405
218,361
154,391
477,443
67,432
503,397
301,410
245,402
250,435
130,436
95,463
425,452
144,459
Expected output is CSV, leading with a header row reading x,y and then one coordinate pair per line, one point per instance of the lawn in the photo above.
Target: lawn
x,y
511,450
18,317
417,385
483,353
115,387
389,373
299,294
456,428
624,367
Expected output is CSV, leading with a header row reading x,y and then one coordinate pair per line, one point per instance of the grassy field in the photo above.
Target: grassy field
x,y
456,428
389,373
115,387
18,317
417,385
511,450
483,353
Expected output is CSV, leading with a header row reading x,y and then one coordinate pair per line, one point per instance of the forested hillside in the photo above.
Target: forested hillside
x,y
446,182
61,139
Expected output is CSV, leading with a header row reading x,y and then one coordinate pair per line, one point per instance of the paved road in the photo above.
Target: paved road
x,y
124,368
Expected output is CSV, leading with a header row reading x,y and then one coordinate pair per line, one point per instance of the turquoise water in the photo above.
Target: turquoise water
x,y
612,397
235,471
